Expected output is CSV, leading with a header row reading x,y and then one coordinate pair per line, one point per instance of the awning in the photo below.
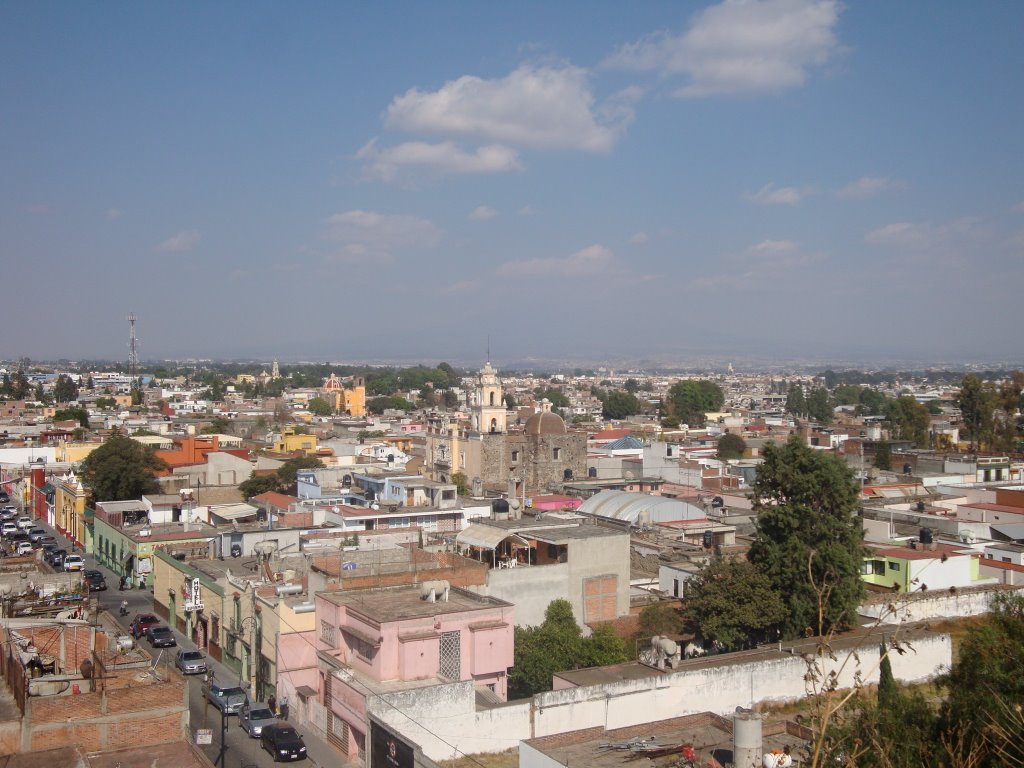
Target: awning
x,y
372,641
485,536
234,511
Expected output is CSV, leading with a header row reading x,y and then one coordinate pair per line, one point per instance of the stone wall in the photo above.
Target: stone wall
x,y
934,605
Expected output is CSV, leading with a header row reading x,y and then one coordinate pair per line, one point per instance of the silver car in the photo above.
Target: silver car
x,y
228,699
190,662
253,718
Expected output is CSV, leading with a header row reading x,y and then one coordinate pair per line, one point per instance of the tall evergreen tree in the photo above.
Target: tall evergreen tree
x,y
809,539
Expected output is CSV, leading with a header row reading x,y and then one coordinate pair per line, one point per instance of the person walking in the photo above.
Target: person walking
x,y
272,703
284,707
124,608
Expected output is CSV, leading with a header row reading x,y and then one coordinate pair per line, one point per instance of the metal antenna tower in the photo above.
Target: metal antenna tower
x,y
133,350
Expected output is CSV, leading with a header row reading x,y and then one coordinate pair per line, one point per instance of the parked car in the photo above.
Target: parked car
x,y
8,528
74,563
227,699
190,662
5,497
160,636
56,558
23,547
141,623
96,581
283,742
36,534
24,523
253,718
8,513
47,541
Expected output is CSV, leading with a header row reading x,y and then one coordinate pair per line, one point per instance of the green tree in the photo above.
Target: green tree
x,y
106,403
663,618
287,472
65,390
218,426
461,483
602,648
977,407
257,484
909,420
690,400
809,539
631,386
319,407
985,686
872,402
67,414
819,406
556,396
733,603
510,401
883,456
121,469
619,405
540,652
731,446
796,403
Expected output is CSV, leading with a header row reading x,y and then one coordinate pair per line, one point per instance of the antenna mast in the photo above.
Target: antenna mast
x,y
133,351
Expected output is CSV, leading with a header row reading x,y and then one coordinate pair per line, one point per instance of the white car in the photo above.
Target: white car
x,y
74,563
8,528
23,548
24,523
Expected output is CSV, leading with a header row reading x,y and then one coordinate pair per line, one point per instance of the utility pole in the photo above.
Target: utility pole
x,y
223,736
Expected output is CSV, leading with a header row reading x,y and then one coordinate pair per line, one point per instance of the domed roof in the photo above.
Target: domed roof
x,y
545,423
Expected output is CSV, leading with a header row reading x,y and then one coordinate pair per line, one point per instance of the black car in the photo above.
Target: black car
x,y
5,497
283,742
161,637
95,581
57,557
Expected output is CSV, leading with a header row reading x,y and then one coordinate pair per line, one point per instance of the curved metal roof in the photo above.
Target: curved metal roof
x,y
631,507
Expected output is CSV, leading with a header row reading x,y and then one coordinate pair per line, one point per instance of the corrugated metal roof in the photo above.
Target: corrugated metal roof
x,y
484,536
630,507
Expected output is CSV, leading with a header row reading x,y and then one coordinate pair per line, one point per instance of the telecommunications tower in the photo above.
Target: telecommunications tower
x,y
133,351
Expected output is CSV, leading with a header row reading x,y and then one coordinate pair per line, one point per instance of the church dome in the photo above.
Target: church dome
x,y
545,423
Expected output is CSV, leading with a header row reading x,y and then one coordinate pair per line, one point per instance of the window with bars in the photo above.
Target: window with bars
x,y
451,655
327,633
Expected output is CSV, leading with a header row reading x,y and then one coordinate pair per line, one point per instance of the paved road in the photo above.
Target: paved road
x,y
242,751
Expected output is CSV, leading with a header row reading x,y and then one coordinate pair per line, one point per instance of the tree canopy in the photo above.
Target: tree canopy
x,y
731,446
319,407
558,645
121,469
809,539
690,400
733,603
65,390
619,405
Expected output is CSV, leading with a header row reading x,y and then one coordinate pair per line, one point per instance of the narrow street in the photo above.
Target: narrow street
x,y
242,751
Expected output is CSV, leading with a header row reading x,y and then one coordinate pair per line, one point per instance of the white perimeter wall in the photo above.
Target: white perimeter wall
x,y
444,721
945,605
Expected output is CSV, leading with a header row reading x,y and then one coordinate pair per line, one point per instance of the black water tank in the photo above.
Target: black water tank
x,y
592,472
926,536
499,507
717,502
907,469
567,474
920,506
709,539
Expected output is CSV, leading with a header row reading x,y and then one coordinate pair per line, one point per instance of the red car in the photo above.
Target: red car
x,y
141,623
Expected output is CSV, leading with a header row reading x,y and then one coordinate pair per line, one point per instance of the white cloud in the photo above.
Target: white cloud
x,y
769,194
446,157
773,247
591,260
113,213
539,107
482,213
367,234
909,235
464,286
639,238
867,186
740,46
182,242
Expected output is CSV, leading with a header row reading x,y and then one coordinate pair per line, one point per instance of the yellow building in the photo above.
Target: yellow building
x,y
72,453
69,507
351,401
291,441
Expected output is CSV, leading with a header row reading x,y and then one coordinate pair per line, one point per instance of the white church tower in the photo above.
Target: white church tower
x,y
489,402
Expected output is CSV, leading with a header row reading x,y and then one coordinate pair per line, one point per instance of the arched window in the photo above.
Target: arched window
x,y
492,397
494,425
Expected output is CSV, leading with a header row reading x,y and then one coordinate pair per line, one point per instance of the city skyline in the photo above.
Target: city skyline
x,y
797,178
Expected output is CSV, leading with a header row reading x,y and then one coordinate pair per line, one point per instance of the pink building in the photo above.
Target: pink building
x,y
375,640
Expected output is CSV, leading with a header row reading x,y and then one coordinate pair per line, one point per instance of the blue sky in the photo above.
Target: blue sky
x,y
578,180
